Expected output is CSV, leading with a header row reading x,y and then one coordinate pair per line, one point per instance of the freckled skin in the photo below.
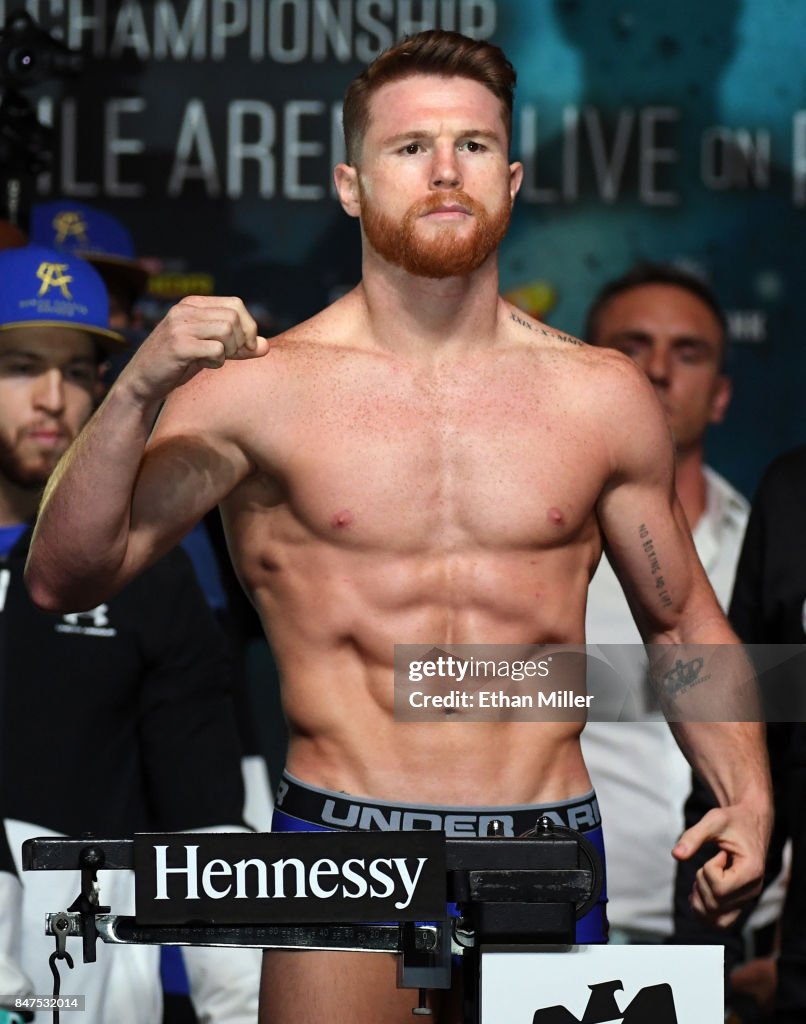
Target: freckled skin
x,y
416,464
402,502
418,515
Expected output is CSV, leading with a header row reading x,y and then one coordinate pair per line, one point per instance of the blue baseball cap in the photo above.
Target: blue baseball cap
x,y
92,234
42,287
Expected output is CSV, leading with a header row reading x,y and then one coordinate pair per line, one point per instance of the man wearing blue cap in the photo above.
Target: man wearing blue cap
x,y
103,241
125,709
80,229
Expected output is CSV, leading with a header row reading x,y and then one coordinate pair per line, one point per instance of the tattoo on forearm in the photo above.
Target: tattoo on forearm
x,y
547,333
684,676
654,565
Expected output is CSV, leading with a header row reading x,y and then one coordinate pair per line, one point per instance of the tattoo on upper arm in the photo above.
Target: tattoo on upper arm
x,y
654,565
547,333
684,676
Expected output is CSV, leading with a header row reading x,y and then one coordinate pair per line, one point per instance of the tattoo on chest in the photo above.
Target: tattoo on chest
x,y
545,332
654,564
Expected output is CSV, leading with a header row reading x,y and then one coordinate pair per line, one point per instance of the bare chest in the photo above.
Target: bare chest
x,y
475,459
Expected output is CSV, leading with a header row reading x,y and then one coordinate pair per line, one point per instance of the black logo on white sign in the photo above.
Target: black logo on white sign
x,y
653,1004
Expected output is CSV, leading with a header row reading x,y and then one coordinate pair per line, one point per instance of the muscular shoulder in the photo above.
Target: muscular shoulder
x,y
584,362
625,410
224,400
629,417
607,374
240,410
621,384
613,395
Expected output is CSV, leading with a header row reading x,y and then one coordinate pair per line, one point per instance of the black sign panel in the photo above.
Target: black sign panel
x,y
284,878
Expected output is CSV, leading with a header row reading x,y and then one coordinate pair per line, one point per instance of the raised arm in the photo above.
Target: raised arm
x,y
651,549
121,496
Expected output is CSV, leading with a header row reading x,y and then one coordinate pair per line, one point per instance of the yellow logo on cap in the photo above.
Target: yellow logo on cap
x,y
52,275
70,224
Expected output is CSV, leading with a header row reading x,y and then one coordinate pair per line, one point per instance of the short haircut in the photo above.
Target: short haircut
x,y
645,273
434,52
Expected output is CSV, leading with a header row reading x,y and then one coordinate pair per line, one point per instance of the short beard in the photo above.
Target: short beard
x,y
26,476
440,257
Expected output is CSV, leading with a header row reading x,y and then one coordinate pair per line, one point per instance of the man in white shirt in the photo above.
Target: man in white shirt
x,y
670,323
14,984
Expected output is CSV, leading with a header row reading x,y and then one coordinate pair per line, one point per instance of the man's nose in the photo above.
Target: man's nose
x,y
445,171
49,393
656,366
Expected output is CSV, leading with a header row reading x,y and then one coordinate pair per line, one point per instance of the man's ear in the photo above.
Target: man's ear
x,y
515,179
720,400
346,178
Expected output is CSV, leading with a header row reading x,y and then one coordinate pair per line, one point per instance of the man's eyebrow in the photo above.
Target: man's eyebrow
x,y
24,353
415,136
693,340
17,353
629,335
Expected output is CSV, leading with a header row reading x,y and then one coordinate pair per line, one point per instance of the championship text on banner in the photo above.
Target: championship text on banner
x,y
314,877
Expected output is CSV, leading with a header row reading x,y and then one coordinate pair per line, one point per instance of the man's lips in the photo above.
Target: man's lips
x,y
47,438
448,208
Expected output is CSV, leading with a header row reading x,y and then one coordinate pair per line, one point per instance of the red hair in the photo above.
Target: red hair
x,y
428,53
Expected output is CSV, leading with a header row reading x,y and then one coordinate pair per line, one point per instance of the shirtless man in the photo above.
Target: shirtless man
x,y
418,463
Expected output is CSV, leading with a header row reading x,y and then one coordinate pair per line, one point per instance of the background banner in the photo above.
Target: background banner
x,y
648,129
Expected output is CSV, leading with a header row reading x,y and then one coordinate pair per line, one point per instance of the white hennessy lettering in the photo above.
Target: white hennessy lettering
x,y
319,878
215,868
163,871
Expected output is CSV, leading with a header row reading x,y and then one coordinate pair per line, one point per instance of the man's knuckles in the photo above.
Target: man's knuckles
x,y
229,309
189,337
